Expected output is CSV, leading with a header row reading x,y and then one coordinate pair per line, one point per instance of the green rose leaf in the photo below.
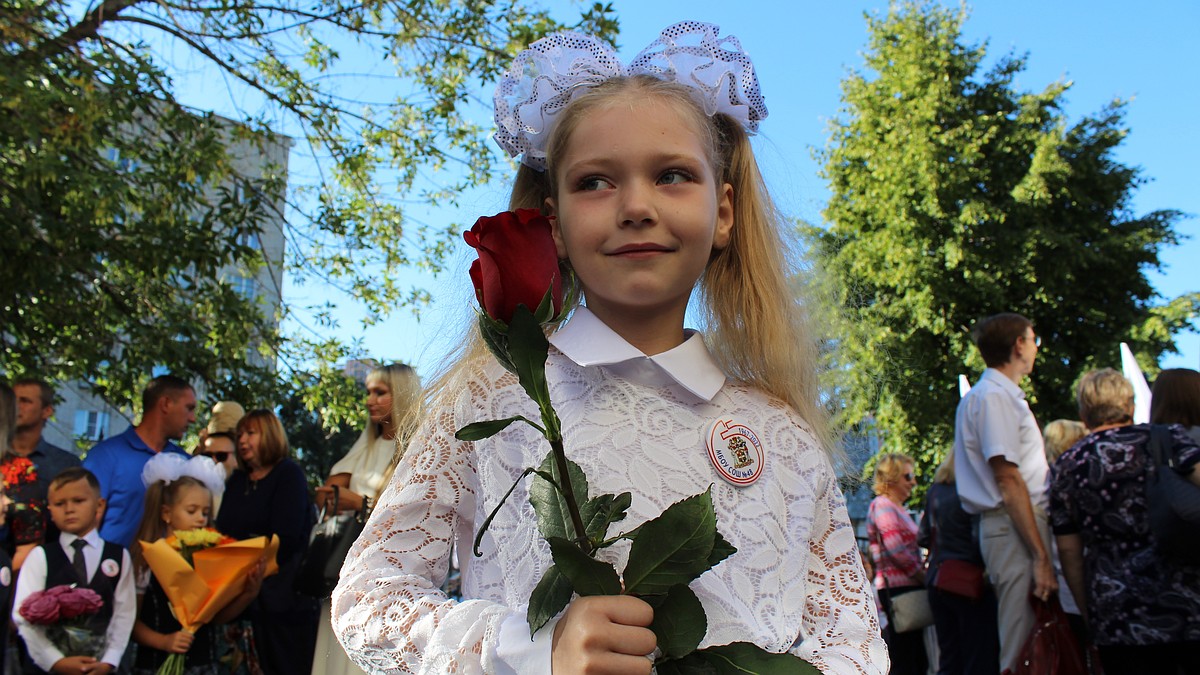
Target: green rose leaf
x,y
721,550
673,548
495,336
600,512
477,431
679,622
587,575
738,658
554,520
549,598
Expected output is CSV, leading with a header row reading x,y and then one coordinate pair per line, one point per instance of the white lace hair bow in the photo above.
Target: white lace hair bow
x,y
169,466
544,78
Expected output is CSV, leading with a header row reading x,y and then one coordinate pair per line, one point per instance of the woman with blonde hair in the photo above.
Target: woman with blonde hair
x,y
393,400
1060,435
892,534
1140,603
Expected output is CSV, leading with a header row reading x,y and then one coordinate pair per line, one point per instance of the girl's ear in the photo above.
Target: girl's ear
x,y
556,229
724,229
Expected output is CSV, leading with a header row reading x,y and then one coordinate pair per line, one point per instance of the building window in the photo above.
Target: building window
x,y
245,286
91,424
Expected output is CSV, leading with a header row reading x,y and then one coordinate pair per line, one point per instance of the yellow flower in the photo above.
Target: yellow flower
x,y
200,538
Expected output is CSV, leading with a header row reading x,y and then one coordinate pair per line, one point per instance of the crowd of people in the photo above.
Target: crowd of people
x,y
1053,515
67,523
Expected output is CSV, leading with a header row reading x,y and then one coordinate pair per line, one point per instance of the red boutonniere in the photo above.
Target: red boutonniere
x,y
18,471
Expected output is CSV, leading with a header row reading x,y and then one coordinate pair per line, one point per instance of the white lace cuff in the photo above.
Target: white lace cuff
x,y
516,654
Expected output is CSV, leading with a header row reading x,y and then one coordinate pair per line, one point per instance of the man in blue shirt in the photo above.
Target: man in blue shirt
x,y
168,408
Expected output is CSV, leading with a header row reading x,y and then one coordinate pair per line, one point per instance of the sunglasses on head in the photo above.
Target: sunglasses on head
x,y
218,457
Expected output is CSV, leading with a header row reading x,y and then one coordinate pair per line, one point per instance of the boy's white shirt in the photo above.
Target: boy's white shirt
x,y
32,577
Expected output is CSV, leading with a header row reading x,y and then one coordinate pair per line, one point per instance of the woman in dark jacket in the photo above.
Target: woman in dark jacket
x,y
968,638
1140,602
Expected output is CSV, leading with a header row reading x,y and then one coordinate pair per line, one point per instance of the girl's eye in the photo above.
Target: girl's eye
x,y
593,183
674,177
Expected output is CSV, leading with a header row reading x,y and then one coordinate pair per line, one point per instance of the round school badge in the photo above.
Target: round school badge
x,y
110,567
736,452
5,576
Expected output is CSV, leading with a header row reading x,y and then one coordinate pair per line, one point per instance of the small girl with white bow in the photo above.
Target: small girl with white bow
x,y
653,190
179,496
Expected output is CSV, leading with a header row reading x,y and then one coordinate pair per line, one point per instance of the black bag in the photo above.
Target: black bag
x,y
1173,502
328,545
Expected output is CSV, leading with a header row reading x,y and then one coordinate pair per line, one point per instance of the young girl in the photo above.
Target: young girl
x,y
649,176
179,496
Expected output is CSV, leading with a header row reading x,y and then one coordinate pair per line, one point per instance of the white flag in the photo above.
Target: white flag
x,y
1141,390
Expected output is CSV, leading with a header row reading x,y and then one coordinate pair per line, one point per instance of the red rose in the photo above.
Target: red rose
x,y
40,608
79,601
517,263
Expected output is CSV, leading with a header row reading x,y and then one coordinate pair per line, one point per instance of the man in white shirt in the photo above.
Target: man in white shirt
x,y
1002,476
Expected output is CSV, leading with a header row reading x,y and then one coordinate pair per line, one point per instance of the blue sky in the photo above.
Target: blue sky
x,y
803,48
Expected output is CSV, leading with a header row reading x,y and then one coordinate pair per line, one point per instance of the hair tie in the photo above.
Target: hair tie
x,y
169,466
544,78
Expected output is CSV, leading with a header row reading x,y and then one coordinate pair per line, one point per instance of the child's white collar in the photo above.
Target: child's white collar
x,y
588,341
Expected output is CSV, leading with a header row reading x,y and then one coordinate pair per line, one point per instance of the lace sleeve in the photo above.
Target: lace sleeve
x,y
840,622
387,609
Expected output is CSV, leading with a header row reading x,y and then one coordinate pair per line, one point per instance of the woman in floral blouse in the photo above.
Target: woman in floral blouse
x,y
1141,607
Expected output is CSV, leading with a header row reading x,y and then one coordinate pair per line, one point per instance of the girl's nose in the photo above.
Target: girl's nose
x,y
637,205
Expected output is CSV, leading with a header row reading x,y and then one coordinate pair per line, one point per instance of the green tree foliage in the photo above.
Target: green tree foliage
x,y
315,442
956,197
119,206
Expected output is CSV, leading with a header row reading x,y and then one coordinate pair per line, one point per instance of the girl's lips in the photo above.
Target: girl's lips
x,y
639,250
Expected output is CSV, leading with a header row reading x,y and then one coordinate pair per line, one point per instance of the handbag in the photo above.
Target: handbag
x,y
911,611
1051,648
908,611
1173,502
958,577
961,578
328,545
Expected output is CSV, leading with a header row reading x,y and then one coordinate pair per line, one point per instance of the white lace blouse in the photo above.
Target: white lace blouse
x,y
796,582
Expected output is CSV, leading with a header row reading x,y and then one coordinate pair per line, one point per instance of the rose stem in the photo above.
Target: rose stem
x,y
568,493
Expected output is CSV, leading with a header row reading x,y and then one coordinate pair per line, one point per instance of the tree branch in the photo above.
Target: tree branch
x,y
86,29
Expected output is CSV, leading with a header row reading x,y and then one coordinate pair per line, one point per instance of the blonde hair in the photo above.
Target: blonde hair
x,y
405,387
153,527
754,322
888,469
1105,397
945,470
1060,435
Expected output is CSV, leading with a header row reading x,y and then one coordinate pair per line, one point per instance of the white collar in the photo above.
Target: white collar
x,y
92,537
588,341
1001,380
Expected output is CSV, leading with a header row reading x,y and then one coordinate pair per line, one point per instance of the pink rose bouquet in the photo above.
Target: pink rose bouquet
x,y
65,612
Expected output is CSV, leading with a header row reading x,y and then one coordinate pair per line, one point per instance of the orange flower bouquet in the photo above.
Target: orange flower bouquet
x,y
201,571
